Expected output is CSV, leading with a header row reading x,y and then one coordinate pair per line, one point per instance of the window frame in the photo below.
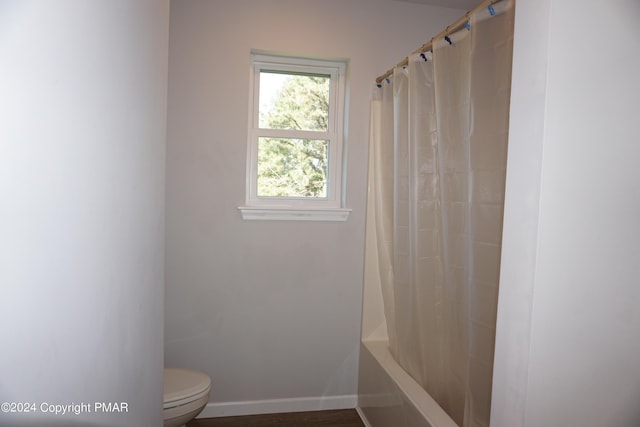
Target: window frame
x,y
329,208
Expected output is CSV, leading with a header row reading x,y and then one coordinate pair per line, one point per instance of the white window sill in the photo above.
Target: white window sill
x,y
294,214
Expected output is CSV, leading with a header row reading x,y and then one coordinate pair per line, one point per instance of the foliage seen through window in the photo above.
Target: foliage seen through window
x,y
288,166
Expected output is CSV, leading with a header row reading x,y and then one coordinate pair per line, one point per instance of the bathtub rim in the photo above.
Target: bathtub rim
x,y
411,391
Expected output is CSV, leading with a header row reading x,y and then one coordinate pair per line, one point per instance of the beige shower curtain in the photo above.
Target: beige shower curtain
x,y
437,176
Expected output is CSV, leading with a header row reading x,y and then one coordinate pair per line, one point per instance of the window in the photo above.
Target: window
x,y
295,139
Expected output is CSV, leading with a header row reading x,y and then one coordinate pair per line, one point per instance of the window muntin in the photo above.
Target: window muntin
x,y
295,135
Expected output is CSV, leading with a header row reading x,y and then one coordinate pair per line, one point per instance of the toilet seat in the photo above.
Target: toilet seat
x,y
183,386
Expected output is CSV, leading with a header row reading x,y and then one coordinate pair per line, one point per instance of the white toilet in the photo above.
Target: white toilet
x,y
186,392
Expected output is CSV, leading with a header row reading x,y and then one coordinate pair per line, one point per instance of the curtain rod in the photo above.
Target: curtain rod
x,y
449,30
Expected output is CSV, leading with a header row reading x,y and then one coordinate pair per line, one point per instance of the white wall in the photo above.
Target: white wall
x,y
82,143
271,310
567,348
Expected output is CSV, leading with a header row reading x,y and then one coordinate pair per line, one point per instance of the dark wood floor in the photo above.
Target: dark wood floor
x,y
336,418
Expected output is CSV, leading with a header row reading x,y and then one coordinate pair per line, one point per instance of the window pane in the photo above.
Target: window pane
x,y
294,101
290,167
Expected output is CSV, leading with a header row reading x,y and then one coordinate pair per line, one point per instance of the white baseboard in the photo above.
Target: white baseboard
x,y
274,406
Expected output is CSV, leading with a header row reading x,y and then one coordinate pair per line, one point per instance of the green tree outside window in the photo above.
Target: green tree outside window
x,y
295,167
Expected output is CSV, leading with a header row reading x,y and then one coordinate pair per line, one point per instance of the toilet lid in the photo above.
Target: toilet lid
x,y
181,384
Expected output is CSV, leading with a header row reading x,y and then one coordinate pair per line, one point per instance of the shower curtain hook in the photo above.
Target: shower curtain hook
x,y
491,10
467,25
448,39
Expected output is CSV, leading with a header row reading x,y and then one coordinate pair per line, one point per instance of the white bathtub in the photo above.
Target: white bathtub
x,y
389,397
